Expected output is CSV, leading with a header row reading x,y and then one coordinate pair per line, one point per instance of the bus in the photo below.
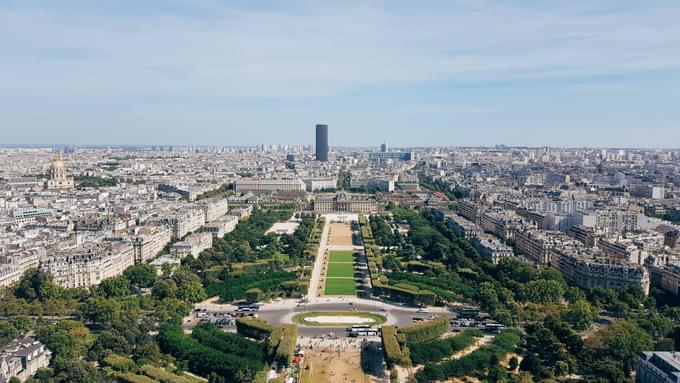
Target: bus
x,y
363,332
248,308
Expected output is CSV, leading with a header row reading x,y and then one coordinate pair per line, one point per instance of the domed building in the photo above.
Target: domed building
x,y
58,178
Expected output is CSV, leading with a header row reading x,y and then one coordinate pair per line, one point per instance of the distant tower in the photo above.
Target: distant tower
x,y
383,147
322,142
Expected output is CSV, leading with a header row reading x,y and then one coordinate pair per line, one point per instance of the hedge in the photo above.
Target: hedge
x,y
391,345
426,331
400,294
286,348
161,375
254,328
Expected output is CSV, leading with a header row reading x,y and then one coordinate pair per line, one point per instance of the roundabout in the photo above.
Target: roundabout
x,y
338,318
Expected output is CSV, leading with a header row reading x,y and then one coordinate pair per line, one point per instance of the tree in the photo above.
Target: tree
x,y
165,288
544,291
172,310
66,339
7,332
143,275
580,315
623,341
147,353
14,379
75,371
21,322
192,292
36,285
109,342
609,370
487,296
44,375
116,287
101,310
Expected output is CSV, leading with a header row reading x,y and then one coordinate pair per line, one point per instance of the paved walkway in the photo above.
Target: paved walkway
x,y
314,282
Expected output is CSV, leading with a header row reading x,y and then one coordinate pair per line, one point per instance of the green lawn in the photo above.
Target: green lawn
x,y
340,286
341,270
341,256
304,318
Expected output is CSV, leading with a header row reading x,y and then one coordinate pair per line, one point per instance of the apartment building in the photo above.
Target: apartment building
x,y
149,241
22,358
462,227
192,245
588,268
537,245
87,265
13,264
182,222
214,208
500,224
624,250
470,210
491,248
222,226
584,234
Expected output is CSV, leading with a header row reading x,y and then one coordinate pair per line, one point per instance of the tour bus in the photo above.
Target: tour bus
x,y
363,332
248,308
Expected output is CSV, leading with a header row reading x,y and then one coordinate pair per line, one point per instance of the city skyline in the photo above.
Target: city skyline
x,y
454,74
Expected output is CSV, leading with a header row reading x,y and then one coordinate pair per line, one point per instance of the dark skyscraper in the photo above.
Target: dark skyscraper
x,y
321,142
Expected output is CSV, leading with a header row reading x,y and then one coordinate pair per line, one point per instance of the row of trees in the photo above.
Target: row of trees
x,y
202,359
235,288
486,358
436,350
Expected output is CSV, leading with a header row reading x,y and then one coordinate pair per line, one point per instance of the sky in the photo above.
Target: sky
x,y
410,73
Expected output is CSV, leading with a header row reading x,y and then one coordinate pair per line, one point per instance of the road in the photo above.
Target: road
x,y
282,312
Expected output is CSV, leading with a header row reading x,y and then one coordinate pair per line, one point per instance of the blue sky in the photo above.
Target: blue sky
x,y
460,72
